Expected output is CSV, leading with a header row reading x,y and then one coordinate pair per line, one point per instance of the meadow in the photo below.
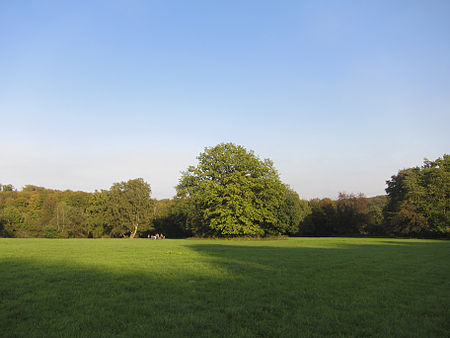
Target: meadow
x,y
202,288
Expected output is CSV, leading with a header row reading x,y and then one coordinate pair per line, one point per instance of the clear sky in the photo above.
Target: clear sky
x,y
339,94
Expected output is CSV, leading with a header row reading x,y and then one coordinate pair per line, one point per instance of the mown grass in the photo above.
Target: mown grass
x,y
297,287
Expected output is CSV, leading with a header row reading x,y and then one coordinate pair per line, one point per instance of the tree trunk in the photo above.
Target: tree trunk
x,y
134,232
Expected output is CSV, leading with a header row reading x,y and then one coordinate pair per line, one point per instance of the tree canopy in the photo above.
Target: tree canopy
x,y
123,210
235,193
419,199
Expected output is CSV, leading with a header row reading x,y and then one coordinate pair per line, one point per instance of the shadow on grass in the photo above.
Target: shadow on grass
x,y
381,290
68,300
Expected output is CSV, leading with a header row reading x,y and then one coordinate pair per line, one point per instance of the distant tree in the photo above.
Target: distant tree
x,y
30,188
131,207
352,214
419,199
292,212
124,210
376,224
99,218
10,221
48,212
233,192
172,217
7,187
75,214
322,219
376,205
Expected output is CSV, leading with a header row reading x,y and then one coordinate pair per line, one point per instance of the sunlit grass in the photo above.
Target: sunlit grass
x,y
297,287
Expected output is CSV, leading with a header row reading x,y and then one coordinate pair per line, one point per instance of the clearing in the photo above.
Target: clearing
x,y
295,287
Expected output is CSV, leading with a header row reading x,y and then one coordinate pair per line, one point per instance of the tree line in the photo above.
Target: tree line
x,y
231,193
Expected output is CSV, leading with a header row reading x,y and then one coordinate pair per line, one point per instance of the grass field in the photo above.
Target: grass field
x,y
286,288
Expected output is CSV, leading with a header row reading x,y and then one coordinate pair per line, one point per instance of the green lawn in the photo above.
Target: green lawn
x,y
286,288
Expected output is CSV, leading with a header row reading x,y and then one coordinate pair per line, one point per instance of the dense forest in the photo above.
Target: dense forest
x,y
232,193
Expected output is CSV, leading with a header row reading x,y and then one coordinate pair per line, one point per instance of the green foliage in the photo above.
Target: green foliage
x,y
50,232
375,208
6,187
125,210
292,212
376,224
131,207
322,220
419,199
99,220
10,218
172,217
28,212
231,192
234,193
352,214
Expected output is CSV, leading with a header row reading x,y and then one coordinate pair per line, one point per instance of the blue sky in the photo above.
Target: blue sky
x,y
339,94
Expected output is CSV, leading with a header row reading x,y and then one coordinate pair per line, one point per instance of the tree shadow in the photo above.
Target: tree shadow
x,y
48,299
385,288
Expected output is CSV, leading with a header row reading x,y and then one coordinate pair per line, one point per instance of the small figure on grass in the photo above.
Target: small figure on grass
x,y
158,236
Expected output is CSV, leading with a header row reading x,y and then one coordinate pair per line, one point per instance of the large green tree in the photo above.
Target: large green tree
x,y
234,193
126,209
419,199
131,207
